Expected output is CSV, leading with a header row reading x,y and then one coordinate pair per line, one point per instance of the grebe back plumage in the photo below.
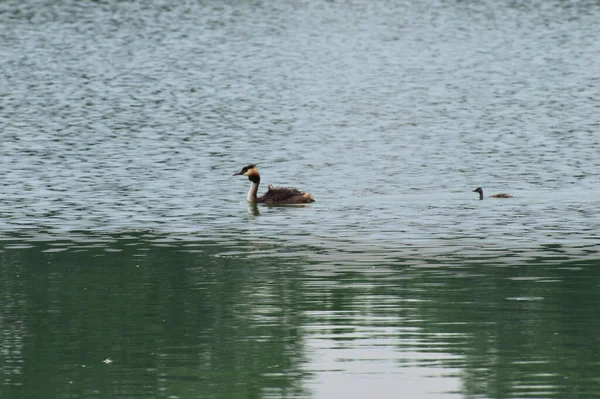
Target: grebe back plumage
x,y
274,195
501,195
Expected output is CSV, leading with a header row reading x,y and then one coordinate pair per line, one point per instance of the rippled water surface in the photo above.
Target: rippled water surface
x,y
132,265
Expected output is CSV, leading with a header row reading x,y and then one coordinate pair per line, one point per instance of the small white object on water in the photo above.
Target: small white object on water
x,y
108,360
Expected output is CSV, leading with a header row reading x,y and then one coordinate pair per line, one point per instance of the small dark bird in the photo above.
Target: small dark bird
x,y
501,195
274,195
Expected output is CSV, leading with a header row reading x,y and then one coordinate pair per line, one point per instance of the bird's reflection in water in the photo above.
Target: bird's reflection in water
x,y
253,209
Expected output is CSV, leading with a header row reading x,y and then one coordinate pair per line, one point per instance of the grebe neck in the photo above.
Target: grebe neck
x,y
252,193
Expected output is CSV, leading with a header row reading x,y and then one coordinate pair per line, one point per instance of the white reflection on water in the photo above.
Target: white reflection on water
x,y
369,368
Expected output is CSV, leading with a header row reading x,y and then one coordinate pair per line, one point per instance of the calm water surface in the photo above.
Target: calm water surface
x,y
132,266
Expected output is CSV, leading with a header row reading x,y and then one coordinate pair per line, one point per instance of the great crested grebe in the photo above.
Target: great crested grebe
x,y
274,195
501,195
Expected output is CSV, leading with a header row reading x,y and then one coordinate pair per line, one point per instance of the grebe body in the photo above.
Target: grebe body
x,y
274,195
501,195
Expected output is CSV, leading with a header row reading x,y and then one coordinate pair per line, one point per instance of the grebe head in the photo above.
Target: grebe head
x,y
251,172
247,171
478,190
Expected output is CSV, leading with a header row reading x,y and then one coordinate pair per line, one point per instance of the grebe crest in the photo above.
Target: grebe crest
x,y
274,195
501,195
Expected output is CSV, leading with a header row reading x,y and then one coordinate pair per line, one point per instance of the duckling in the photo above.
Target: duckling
x,y
274,195
501,195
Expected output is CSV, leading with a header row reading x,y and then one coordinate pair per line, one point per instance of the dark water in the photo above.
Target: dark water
x,y
132,266
140,315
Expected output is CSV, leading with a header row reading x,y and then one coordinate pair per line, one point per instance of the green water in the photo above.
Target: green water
x,y
174,320
140,315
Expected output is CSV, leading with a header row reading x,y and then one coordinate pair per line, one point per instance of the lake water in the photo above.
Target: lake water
x,y
133,267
